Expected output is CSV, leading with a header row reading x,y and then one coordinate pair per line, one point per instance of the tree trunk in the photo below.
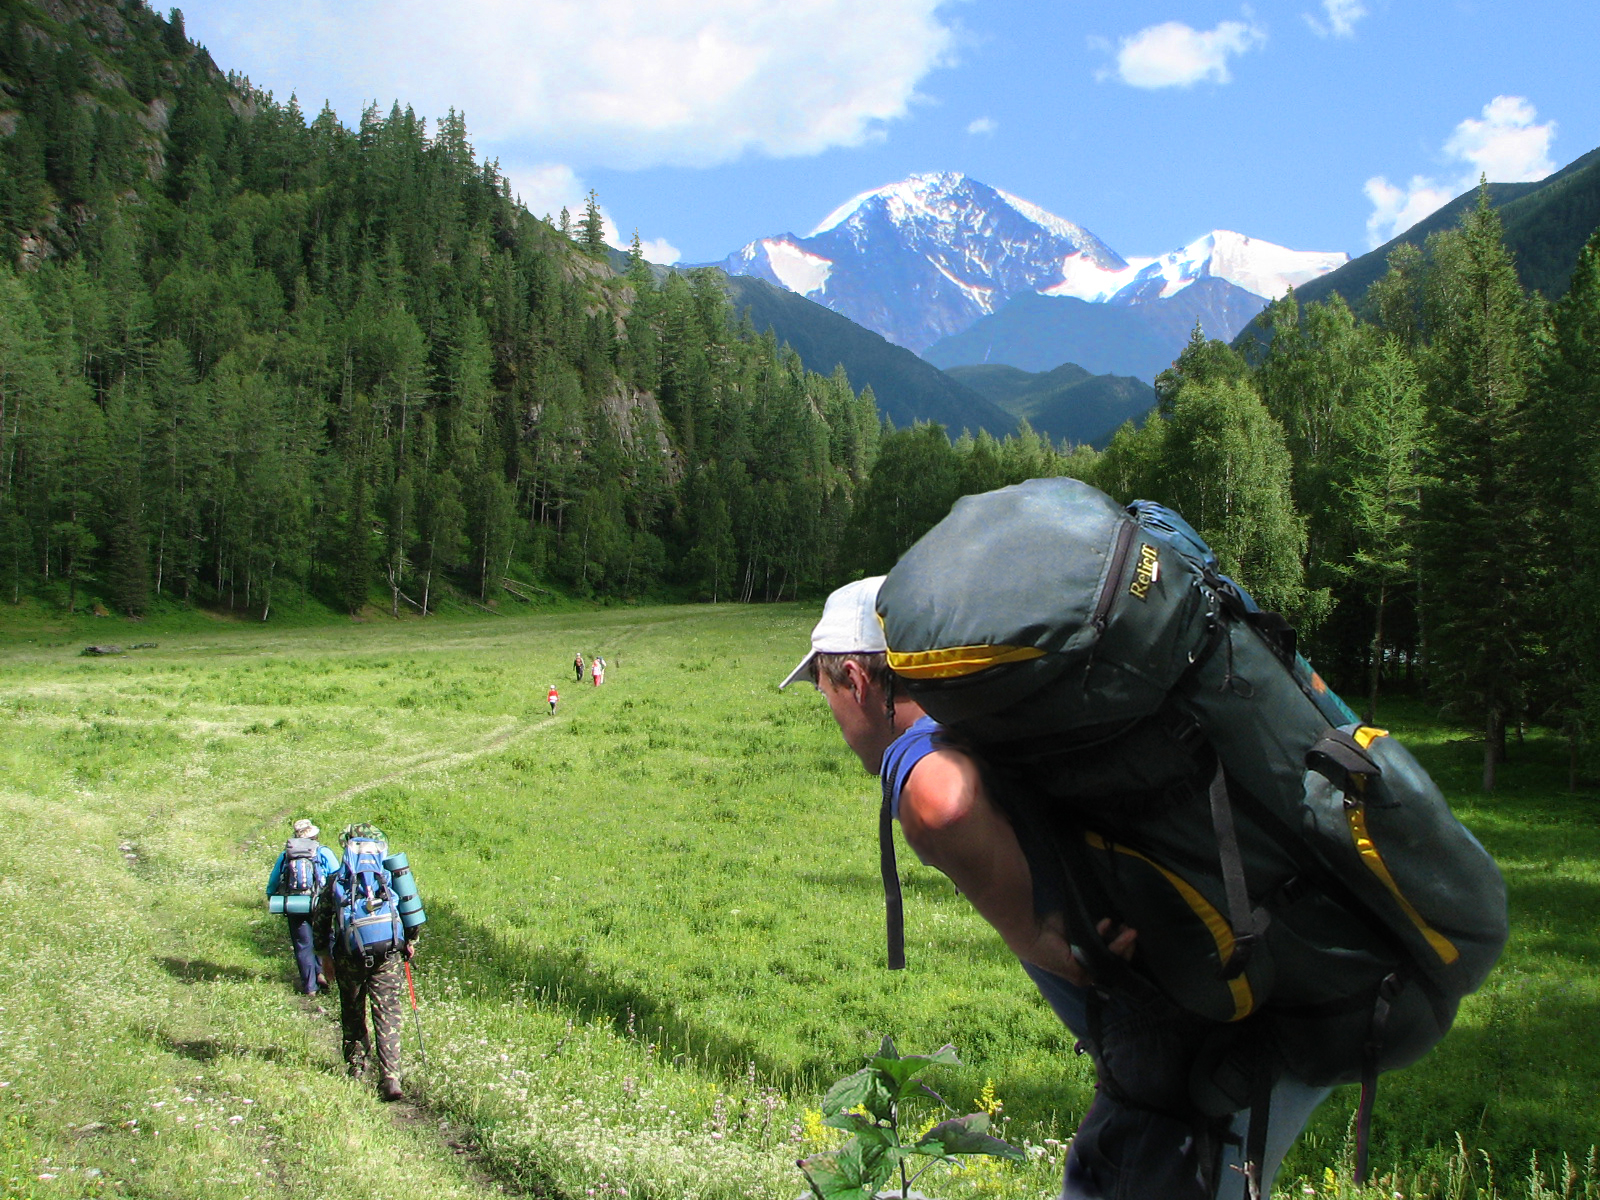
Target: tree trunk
x,y
1572,757
1493,732
1377,658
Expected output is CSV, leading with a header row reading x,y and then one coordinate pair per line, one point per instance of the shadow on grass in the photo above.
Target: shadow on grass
x,y
925,884
200,970
207,1050
567,979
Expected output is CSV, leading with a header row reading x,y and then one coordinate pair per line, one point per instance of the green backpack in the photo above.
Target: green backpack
x,y
1157,741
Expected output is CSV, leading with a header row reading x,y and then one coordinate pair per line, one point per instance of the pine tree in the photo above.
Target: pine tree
x,y
1474,525
1378,483
594,226
1226,468
1563,451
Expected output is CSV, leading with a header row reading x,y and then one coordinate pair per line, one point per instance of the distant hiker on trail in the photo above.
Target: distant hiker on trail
x,y
367,921
553,697
577,664
599,667
293,883
1233,894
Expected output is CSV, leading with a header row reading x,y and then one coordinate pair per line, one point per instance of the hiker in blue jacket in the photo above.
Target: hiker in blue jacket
x,y
1139,1140
300,936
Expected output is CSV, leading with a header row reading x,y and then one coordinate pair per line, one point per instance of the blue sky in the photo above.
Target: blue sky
x,y
1317,124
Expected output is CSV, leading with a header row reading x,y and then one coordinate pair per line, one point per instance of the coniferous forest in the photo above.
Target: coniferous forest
x,y
245,354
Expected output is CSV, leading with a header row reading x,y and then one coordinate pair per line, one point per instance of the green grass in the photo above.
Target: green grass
x,y
655,925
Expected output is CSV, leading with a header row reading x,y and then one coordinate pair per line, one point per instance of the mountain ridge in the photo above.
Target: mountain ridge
x,y
923,260
1546,224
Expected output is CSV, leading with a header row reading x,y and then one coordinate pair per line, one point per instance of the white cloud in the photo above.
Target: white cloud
x,y
1174,55
659,250
616,83
1342,17
983,125
549,187
1396,209
1506,146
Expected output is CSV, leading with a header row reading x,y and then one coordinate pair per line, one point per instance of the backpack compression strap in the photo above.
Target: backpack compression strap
x,y
893,904
1249,924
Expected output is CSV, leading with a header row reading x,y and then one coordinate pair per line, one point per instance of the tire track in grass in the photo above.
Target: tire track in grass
x,y
499,740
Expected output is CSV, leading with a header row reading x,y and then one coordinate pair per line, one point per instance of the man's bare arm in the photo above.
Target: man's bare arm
x,y
952,824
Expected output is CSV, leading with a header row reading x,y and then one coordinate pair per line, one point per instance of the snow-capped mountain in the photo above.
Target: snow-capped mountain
x,y
1261,268
927,258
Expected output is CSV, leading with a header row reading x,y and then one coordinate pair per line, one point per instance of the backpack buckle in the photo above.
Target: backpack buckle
x,y
1244,945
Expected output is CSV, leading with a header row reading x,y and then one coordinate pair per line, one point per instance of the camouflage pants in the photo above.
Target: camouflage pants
x,y
381,987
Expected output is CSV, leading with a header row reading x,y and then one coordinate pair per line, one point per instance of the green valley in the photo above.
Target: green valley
x,y
654,938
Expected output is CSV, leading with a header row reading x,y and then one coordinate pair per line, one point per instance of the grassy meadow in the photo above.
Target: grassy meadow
x,y
655,927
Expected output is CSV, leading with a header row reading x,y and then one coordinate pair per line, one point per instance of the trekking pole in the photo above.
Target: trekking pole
x,y
415,1012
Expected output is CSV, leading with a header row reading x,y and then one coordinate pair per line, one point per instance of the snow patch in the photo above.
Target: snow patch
x,y
1261,268
1086,279
907,198
1059,226
796,269
1265,268
981,296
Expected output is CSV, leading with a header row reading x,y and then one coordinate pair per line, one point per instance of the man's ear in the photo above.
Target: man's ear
x,y
856,675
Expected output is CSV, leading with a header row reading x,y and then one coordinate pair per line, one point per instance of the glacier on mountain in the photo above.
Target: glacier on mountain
x,y
1264,269
794,268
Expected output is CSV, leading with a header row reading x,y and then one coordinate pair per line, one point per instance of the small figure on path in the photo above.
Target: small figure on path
x,y
599,666
368,934
293,883
577,665
553,697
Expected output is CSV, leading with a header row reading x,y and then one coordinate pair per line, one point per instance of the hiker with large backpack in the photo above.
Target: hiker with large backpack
x,y
367,921
1233,893
292,885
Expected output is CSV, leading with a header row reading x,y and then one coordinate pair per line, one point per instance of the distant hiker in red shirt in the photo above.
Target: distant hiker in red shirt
x,y
599,670
553,697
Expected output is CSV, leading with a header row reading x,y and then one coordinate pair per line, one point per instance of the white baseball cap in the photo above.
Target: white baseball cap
x,y
849,625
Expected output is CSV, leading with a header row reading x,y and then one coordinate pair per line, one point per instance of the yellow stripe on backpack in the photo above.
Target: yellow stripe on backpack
x,y
957,661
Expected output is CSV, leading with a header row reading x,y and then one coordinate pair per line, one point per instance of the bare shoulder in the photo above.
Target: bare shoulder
x,y
941,790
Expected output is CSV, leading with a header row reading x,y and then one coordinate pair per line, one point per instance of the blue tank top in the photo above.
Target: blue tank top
x,y
904,753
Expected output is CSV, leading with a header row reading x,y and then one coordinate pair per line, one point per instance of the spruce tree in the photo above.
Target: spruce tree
x,y
1563,450
1377,483
1225,467
1475,519
594,226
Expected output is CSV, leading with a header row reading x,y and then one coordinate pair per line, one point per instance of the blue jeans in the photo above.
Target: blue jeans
x,y
1125,1152
305,951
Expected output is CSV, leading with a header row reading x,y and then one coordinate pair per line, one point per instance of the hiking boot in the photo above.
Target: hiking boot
x,y
389,1089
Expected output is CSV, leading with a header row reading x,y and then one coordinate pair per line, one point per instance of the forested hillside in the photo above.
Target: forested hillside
x,y
241,351
1545,223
